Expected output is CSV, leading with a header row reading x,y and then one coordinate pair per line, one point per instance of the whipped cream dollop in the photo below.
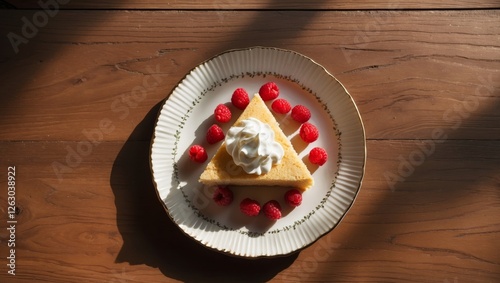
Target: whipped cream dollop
x,y
251,144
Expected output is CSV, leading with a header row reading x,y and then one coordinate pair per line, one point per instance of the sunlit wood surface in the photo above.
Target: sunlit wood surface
x,y
425,76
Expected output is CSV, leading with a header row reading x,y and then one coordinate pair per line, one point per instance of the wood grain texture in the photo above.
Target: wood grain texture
x,y
427,84
263,5
411,73
103,222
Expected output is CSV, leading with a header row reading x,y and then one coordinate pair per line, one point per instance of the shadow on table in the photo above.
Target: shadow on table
x,y
151,238
428,190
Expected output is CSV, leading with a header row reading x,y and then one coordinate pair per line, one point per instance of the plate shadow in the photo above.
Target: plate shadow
x,y
151,238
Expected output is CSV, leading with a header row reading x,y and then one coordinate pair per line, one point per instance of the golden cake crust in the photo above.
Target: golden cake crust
x,y
290,172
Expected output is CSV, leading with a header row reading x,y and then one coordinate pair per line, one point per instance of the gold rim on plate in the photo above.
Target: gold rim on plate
x,y
187,113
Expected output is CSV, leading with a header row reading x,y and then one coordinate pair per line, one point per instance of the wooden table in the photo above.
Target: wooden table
x,y
425,76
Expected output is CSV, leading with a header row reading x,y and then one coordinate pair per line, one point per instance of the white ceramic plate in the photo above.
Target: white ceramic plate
x,y
186,116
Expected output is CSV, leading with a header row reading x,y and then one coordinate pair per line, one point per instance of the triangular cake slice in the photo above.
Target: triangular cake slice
x,y
290,172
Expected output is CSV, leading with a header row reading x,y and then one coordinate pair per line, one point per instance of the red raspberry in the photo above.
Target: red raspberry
x,y
223,196
240,98
250,207
269,91
215,134
281,106
222,113
301,114
308,132
293,197
318,156
197,153
272,210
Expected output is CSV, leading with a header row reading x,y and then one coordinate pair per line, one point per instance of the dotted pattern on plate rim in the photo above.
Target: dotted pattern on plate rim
x,y
197,100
